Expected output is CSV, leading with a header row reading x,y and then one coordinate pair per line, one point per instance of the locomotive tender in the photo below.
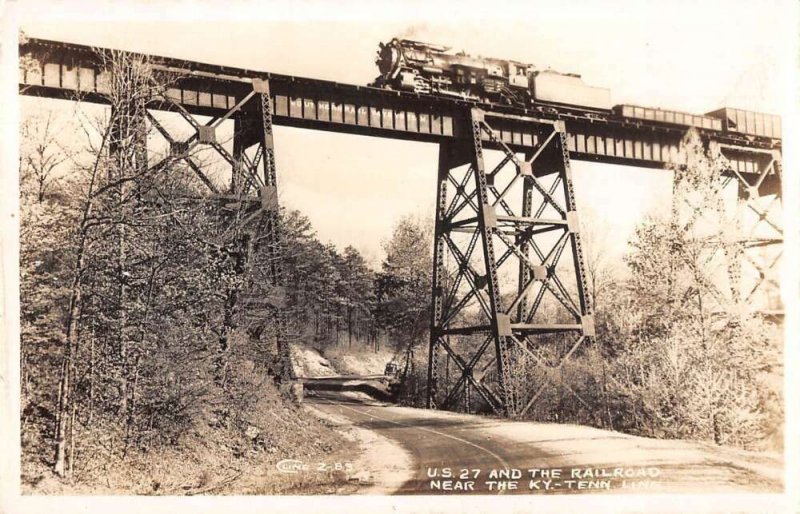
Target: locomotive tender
x,y
425,68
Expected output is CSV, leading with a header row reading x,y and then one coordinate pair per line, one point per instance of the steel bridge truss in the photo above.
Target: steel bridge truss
x,y
759,216
743,239
500,277
249,204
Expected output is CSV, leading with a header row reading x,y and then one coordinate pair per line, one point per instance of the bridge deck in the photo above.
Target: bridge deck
x,y
63,70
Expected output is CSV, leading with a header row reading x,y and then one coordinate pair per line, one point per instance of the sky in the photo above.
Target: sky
x,y
687,56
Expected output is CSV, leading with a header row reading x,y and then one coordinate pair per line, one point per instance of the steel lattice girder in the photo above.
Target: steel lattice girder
x,y
470,298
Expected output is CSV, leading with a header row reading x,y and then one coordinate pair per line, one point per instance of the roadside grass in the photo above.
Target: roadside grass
x,y
218,456
321,477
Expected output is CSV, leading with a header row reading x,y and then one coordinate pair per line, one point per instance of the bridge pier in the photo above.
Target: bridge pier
x,y
759,220
250,204
474,307
743,238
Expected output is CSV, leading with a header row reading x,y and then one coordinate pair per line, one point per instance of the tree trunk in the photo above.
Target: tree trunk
x,y
61,414
122,318
349,326
605,400
71,335
67,365
41,188
717,429
131,420
71,459
447,369
91,377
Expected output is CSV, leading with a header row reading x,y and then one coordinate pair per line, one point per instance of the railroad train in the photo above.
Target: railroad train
x,y
425,68
432,69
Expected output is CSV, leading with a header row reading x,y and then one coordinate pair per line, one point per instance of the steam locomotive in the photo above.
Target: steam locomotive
x,y
433,69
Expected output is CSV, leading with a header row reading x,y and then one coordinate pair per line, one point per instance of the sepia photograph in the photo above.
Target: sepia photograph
x,y
400,257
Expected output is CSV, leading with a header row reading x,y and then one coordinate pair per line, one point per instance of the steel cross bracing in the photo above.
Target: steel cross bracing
x,y
249,206
746,242
759,223
512,219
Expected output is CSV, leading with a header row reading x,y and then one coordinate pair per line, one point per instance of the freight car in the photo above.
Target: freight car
x,y
738,121
735,122
433,69
671,117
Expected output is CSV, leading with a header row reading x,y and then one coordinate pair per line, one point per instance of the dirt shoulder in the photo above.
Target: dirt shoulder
x,y
382,466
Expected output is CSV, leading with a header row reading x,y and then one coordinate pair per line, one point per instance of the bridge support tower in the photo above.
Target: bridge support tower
x,y
248,208
509,270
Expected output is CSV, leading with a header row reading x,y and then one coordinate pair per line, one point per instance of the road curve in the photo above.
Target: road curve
x,y
435,444
460,454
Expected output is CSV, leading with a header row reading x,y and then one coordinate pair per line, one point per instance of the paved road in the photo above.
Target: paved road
x,y
471,450
438,444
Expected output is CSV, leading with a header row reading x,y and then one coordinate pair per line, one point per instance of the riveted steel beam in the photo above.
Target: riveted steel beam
x,y
501,216
64,70
251,201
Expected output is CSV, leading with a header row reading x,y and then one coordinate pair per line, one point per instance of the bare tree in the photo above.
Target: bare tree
x,y
599,266
119,155
41,155
694,362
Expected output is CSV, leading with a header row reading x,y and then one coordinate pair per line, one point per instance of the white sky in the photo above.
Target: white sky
x,y
690,56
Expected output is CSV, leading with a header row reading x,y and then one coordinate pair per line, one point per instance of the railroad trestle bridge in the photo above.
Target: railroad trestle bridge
x,y
505,194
